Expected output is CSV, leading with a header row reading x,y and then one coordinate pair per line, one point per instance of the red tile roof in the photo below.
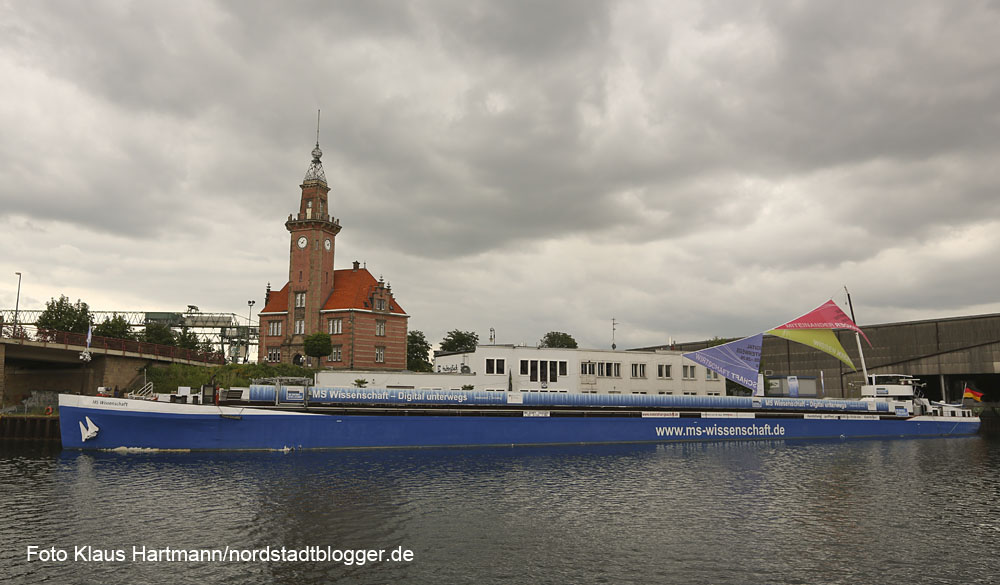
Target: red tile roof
x,y
353,288
278,302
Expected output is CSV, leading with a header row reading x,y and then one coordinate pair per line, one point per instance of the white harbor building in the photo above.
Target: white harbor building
x,y
511,368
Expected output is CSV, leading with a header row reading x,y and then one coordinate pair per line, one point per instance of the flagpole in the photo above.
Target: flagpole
x,y
857,336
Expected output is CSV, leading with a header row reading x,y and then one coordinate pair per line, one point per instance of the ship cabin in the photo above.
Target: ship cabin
x,y
904,393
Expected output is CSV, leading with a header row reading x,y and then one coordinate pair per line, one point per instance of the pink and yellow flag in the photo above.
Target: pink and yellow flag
x,y
826,316
822,339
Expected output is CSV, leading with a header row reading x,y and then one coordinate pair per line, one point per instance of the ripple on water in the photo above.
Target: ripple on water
x,y
777,512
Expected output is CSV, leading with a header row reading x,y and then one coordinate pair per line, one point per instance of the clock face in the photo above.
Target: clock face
x,y
328,244
303,241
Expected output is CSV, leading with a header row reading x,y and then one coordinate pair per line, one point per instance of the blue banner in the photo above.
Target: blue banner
x,y
321,395
737,360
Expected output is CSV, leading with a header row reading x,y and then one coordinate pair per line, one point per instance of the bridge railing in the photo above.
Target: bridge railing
x,y
107,344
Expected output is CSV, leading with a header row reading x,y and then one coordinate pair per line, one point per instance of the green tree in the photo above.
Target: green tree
x,y
159,333
186,339
318,345
558,339
460,341
417,351
62,315
115,326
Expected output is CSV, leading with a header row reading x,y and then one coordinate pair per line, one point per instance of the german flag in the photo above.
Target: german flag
x,y
970,393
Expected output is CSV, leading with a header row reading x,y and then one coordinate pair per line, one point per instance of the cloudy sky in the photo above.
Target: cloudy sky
x,y
689,169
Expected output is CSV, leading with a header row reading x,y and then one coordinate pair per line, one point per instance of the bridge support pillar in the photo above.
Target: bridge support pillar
x,y
3,376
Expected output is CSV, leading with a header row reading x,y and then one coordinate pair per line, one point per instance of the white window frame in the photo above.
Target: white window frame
x,y
335,326
380,354
496,366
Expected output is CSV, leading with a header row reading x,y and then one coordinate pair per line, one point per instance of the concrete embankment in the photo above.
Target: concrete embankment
x,y
29,428
990,415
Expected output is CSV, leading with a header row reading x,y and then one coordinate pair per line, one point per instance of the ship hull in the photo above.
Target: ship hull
x,y
106,423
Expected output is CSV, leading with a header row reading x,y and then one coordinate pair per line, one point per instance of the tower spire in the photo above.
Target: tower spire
x,y
315,172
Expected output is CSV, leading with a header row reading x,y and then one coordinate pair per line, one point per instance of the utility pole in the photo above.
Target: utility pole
x,y
17,303
246,355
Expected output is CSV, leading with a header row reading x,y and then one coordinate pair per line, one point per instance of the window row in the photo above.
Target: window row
x,y
334,327
336,354
602,369
543,370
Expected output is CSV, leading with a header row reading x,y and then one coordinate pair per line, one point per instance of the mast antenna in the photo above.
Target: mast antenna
x,y
315,172
857,336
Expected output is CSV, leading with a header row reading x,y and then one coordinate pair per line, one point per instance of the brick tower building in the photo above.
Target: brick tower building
x,y
366,325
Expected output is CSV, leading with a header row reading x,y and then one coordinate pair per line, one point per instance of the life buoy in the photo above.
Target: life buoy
x,y
48,411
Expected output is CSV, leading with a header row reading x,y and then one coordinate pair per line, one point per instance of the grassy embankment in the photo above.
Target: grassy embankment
x,y
167,379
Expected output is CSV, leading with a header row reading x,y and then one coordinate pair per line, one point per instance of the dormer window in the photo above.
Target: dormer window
x,y
380,304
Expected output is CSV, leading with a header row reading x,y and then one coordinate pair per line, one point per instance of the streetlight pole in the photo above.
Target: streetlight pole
x,y
17,303
246,356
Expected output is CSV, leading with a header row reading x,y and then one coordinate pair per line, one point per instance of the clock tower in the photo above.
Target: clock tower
x,y
312,233
366,325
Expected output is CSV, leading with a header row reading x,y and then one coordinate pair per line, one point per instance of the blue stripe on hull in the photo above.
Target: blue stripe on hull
x,y
121,428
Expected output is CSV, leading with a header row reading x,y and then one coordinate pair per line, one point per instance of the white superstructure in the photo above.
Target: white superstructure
x,y
532,369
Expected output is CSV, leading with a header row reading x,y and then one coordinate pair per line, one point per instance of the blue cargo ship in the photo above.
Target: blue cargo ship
x,y
275,417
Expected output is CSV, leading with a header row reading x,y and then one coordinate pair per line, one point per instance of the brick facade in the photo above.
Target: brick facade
x,y
372,328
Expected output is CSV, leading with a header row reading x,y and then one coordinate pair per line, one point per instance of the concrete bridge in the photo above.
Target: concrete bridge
x,y
32,359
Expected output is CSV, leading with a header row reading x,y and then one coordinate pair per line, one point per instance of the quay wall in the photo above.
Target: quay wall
x,y
29,428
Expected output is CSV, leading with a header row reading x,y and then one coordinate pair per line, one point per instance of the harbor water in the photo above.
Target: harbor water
x,y
885,511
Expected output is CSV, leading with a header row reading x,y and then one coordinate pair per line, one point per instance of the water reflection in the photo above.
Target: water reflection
x,y
784,512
